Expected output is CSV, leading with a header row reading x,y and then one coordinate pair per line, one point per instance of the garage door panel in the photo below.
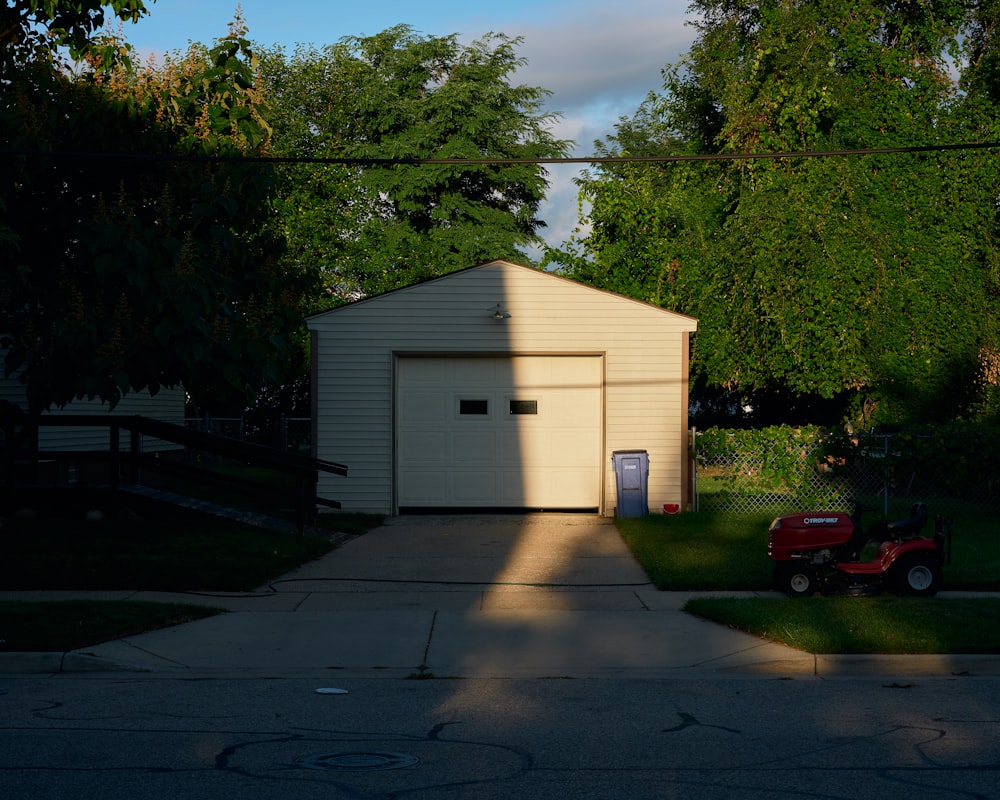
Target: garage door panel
x,y
575,487
427,487
511,449
565,372
512,489
530,450
423,446
578,406
520,432
573,448
545,489
474,487
475,372
532,372
422,406
472,447
422,371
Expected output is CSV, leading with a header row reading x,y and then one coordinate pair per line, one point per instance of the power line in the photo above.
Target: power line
x,y
487,161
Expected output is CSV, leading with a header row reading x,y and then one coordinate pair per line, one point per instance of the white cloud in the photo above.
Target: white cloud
x,y
598,59
600,62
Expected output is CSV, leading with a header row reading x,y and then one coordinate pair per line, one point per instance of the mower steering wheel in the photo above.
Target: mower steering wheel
x,y
859,506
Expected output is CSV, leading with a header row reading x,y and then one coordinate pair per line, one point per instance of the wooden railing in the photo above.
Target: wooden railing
x,y
187,456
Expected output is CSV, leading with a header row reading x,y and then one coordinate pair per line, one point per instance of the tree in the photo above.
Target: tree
x,y
398,95
867,280
33,31
144,263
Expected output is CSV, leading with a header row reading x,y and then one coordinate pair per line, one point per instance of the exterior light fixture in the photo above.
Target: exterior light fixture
x,y
498,313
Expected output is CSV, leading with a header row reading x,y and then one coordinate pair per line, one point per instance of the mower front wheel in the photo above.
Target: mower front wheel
x,y
795,580
916,575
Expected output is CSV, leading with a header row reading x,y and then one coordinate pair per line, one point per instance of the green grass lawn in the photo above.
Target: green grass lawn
x,y
170,553
715,550
64,625
708,551
703,551
863,624
167,551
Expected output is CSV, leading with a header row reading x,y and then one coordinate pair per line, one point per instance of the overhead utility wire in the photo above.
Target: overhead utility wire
x,y
371,162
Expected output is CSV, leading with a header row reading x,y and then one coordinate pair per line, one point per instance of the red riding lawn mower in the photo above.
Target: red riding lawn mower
x,y
821,551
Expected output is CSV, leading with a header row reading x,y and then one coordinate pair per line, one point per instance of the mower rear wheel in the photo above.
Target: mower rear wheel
x,y
916,575
795,580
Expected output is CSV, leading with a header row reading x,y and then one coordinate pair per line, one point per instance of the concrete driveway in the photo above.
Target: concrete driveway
x,y
543,595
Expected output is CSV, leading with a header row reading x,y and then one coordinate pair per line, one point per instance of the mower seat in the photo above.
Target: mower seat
x,y
912,525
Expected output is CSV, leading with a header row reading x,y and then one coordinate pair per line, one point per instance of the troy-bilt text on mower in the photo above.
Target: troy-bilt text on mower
x,y
820,551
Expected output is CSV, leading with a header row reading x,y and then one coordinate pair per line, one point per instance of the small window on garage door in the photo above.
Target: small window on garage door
x,y
522,407
473,407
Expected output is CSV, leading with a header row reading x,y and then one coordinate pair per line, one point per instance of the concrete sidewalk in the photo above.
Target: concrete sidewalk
x,y
544,595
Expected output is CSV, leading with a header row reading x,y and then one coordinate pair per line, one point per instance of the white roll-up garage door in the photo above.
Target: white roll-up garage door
x,y
522,432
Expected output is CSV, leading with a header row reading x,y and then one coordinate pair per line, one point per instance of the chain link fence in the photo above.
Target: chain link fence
x,y
296,434
784,470
230,427
287,433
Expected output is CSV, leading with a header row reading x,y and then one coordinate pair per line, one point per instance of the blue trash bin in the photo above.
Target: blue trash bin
x,y
632,478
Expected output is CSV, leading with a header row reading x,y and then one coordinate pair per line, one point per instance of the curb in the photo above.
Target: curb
x,y
969,665
822,666
55,663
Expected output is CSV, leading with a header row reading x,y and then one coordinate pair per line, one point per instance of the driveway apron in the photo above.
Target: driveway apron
x,y
544,595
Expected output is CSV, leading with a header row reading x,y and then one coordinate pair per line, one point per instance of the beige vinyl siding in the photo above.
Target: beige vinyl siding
x,y
644,350
354,419
644,411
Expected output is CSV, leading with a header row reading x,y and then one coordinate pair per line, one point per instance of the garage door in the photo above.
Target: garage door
x,y
511,432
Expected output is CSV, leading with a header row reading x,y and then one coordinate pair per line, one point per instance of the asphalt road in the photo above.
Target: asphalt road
x,y
133,737
560,674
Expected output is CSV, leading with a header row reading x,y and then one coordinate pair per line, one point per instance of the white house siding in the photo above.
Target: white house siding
x,y
355,347
166,405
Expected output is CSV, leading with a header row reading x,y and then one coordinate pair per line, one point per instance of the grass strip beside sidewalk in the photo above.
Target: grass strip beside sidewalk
x,y
711,551
64,625
168,551
875,625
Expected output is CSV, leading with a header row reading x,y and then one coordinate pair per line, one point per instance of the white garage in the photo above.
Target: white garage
x,y
499,387
499,432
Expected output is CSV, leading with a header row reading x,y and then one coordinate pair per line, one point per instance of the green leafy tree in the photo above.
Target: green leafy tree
x,y
867,280
33,31
398,95
147,263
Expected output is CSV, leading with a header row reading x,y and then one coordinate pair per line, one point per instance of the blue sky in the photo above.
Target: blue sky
x,y
598,58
